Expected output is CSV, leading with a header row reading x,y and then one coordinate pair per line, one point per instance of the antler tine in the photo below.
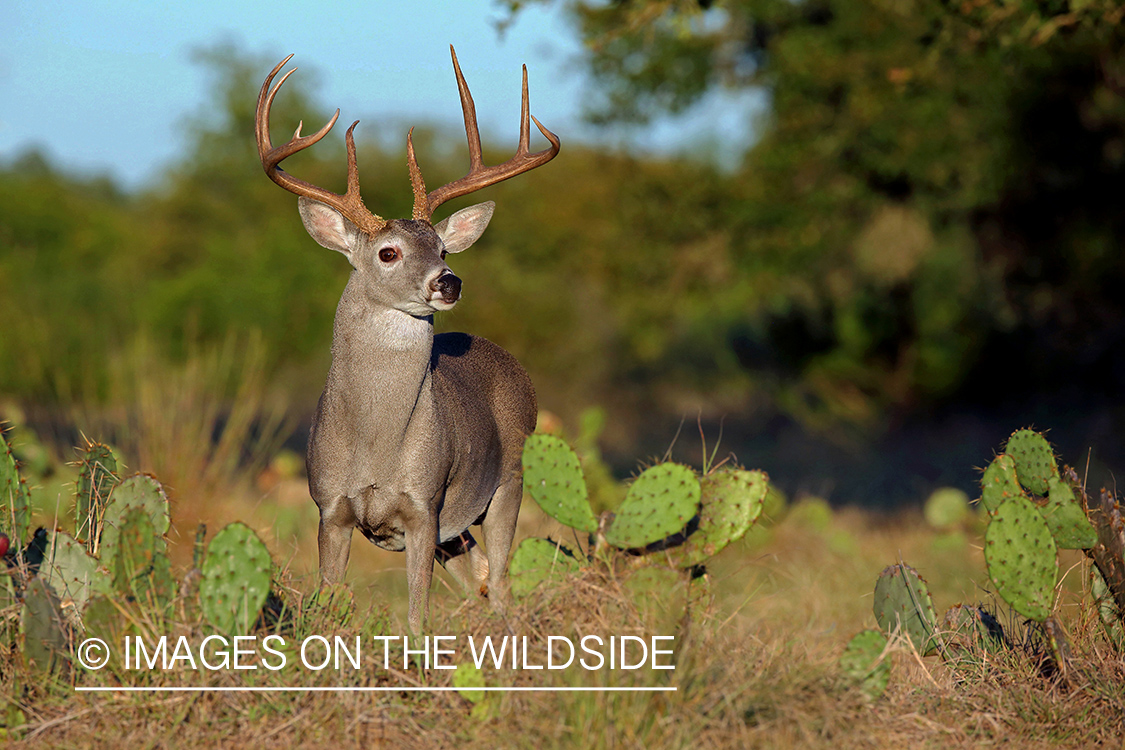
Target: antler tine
x,y
479,175
469,110
349,204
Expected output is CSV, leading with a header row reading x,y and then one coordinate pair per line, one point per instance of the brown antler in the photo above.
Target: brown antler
x,y
479,175
349,204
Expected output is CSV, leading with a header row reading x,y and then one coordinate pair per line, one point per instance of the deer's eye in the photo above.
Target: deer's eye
x,y
389,254
443,254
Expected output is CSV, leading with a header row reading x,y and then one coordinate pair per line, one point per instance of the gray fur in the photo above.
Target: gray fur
x,y
416,437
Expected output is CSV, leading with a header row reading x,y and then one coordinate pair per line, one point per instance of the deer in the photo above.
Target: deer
x,y
416,436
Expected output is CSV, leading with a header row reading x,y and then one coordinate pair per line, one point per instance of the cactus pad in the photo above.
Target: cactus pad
x,y
140,568
97,477
1035,461
1021,558
731,502
138,491
71,571
865,663
537,560
236,579
999,483
15,502
902,601
661,502
946,508
1066,519
553,478
45,632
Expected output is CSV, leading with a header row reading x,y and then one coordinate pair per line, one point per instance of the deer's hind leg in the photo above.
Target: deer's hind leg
x,y
463,558
499,528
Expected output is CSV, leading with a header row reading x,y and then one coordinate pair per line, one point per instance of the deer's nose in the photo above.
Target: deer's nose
x,y
448,286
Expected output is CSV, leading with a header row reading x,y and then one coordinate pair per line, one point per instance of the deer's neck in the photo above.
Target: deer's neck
x,y
380,373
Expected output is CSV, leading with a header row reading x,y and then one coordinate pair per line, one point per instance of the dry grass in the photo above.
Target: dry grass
x,y
758,669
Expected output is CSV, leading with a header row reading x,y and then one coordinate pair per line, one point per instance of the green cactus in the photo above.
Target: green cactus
x,y
537,560
731,502
331,607
96,479
141,570
103,619
1035,461
236,579
15,502
902,601
138,491
865,663
999,483
1108,612
553,478
946,509
70,571
660,503
45,633
1021,558
1066,519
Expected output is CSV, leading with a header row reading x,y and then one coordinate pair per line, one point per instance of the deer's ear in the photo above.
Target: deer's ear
x,y
465,227
327,226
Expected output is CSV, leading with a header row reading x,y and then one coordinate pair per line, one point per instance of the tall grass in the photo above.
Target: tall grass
x,y
203,425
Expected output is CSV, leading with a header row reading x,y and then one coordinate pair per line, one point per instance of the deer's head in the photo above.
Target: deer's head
x,y
401,262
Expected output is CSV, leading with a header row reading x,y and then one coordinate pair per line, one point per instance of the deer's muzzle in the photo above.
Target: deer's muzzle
x,y
449,287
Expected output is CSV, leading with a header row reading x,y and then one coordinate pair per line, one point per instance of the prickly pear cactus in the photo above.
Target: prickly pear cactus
x,y
15,502
999,483
96,479
71,571
731,502
1035,461
236,579
1066,519
537,560
553,478
331,607
138,491
902,601
865,663
141,570
45,632
660,503
1021,558
1108,612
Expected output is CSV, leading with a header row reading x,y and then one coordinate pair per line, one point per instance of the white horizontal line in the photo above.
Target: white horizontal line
x,y
402,689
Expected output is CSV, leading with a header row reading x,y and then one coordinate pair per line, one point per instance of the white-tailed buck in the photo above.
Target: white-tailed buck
x,y
416,436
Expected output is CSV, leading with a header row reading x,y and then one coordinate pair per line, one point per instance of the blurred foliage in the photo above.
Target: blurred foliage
x,y
935,193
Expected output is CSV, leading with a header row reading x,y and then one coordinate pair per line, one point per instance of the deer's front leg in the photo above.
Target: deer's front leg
x,y
421,541
334,539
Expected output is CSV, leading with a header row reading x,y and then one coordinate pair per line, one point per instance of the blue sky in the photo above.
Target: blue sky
x,y
105,86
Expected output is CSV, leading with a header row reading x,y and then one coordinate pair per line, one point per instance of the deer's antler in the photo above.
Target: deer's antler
x,y
479,175
349,204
